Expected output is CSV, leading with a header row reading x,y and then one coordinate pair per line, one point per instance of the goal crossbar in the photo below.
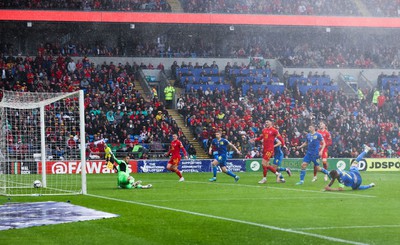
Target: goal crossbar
x,y
21,101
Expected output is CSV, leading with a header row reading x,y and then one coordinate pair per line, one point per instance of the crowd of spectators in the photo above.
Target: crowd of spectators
x,y
274,7
98,48
115,111
89,5
382,8
351,121
302,53
379,8
290,56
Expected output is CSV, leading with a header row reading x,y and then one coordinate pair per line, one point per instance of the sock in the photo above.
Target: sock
x,y
265,170
364,187
280,169
315,171
361,156
215,171
324,171
302,174
178,173
272,169
280,176
229,172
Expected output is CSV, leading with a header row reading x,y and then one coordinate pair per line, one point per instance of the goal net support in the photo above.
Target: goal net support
x,y
42,137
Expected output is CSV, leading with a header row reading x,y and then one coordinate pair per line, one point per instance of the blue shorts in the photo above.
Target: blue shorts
x,y
221,160
311,158
354,169
278,160
357,177
215,155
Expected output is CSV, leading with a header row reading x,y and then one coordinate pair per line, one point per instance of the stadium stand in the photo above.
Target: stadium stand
x,y
90,5
284,7
241,112
114,109
111,97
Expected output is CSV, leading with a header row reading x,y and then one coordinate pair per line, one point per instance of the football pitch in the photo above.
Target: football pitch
x,y
199,212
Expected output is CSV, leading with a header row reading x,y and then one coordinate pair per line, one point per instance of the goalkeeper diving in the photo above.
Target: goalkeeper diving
x,y
125,181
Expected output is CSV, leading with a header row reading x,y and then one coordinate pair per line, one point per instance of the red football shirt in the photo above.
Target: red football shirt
x,y
268,137
327,138
175,148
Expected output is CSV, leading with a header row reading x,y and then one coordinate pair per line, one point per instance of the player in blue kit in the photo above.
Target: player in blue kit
x,y
278,158
315,145
351,178
221,146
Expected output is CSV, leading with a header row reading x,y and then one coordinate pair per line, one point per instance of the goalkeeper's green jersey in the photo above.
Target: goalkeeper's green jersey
x,y
123,175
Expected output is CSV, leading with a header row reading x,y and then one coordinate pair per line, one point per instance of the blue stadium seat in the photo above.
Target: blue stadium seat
x,y
304,88
224,87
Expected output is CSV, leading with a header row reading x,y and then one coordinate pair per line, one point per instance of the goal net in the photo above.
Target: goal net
x,y
41,139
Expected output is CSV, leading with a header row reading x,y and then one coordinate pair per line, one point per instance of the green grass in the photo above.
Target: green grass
x,y
199,212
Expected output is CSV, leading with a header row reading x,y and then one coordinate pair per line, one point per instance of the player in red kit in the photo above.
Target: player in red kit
x,y
268,135
175,150
328,141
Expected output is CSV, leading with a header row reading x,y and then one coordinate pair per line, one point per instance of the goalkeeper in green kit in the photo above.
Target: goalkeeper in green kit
x,y
125,181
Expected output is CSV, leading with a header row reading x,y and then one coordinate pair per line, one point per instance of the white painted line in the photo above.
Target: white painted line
x,y
347,227
244,198
333,239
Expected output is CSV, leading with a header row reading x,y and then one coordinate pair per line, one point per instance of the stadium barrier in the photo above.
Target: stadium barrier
x,y
254,165
201,165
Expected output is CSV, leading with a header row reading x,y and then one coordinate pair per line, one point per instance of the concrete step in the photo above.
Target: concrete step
x,y
201,154
180,121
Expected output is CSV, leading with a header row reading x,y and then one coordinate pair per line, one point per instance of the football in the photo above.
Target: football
x,y
37,184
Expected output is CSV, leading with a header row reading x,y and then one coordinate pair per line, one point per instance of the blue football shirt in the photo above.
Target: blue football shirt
x,y
277,150
221,146
314,142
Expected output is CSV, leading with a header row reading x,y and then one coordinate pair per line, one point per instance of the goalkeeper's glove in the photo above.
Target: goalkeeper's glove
x,y
110,166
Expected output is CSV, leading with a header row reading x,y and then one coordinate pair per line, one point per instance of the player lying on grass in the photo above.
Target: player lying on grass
x,y
125,181
351,178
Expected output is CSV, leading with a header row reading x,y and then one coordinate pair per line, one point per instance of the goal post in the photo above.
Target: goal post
x,y
42,137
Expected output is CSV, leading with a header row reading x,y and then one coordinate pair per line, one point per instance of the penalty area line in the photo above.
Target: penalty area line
x,y
328,238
